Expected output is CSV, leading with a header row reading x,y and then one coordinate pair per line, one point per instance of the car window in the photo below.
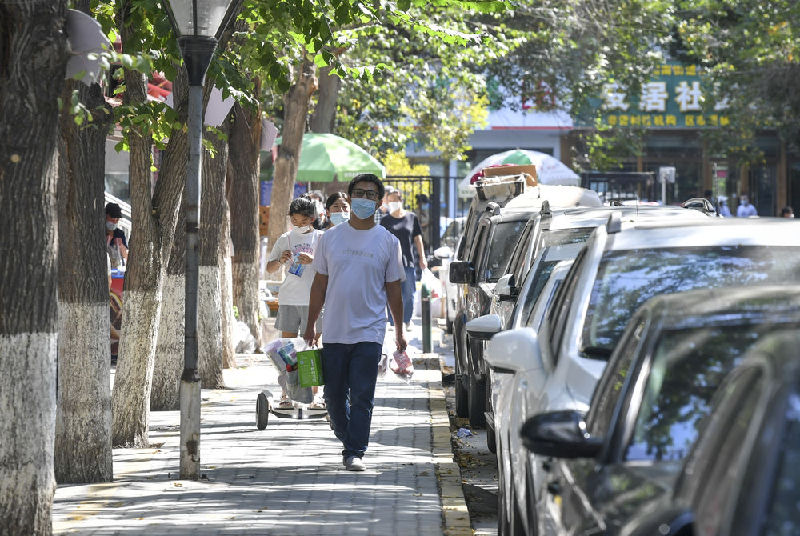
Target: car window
x,y
783,514
519,253
504,238
609,389
742,400
626,279
557,315
463,245
477,249
557,246
688,367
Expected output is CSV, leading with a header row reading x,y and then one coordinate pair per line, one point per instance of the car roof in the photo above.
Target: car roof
x,y
595,216
708,232
726,305
558,196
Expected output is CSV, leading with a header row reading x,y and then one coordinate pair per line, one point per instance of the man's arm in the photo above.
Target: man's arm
x,y
423,263
394,295
317,299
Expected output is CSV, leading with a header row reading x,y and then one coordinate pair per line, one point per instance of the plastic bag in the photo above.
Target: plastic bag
x,y
401,365
432,282
283,354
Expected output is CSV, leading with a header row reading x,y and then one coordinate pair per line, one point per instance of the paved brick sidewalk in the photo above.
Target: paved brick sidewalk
x,y
286,479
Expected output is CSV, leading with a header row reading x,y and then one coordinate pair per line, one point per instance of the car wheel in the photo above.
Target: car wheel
x,y
477,402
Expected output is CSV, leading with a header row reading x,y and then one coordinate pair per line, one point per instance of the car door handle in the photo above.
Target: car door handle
x,y
554,487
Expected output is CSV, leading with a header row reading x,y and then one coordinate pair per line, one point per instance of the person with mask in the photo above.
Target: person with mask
x,y
337,209
745,210
405,226
320,221
358,270
424,216
116,244
295,251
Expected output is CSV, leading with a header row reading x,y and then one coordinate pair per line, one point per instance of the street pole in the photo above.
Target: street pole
x,y
197,52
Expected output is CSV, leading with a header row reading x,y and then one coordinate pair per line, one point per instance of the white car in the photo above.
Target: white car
x,y
557,366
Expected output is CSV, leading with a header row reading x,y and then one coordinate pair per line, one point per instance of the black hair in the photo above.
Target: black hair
x,y
786,210
113,210
303,206
366,177
422,198
334,197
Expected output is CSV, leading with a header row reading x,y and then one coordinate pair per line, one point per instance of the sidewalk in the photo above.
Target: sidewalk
x,y
286,479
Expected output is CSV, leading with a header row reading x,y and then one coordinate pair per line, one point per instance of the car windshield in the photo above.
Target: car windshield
x,y
503,241
626,279
688,367
558,246
782,514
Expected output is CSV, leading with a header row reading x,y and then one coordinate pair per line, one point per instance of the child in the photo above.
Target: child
x,y
295,249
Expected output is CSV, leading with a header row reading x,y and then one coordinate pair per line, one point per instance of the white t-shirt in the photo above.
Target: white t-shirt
x,y
295,290
358,265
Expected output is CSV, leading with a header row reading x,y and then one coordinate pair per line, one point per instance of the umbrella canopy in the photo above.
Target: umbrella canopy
x,y
328,158
548,168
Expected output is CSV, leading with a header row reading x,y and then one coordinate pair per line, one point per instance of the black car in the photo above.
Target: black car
x,y
602,469
742,477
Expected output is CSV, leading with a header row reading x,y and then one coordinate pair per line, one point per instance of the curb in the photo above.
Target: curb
x,y
455,516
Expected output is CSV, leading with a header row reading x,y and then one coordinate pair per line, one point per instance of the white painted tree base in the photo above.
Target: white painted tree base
x,y
190,430
226,289
169,351
83,421
27,430
130,399
209,327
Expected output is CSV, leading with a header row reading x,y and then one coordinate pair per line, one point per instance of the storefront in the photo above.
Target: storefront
x,y
669,109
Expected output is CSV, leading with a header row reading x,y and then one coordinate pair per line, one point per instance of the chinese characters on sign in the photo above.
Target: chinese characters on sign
x,y
673,100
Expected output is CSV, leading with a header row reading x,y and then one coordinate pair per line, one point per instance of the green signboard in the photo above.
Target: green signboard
x,y
671,99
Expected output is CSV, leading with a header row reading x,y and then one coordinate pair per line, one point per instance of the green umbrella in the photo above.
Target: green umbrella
x,y
328,158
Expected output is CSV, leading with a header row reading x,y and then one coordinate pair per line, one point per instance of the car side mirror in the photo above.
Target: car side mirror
x,y
462,272
560,434
514,350
484,327
443,252
505,289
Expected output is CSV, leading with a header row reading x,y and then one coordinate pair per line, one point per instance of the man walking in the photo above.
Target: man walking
x,y
745,210
358,269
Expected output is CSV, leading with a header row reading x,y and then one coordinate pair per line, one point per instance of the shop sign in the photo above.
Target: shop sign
x,y
671,99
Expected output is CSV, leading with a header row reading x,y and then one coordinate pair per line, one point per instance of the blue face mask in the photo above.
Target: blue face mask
x,y
424,206
339,217
363,208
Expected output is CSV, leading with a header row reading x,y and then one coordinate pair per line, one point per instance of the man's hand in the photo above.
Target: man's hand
x,y
305,258
399,339
310,336
423,263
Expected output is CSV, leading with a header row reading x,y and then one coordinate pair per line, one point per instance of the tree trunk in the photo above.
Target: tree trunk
x,y
295,112
226,290
32,65
324,116
154,221
244,148
169,349
209,297
83,421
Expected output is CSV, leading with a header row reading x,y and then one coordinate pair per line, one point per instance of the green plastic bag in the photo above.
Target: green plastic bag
x,y
309,367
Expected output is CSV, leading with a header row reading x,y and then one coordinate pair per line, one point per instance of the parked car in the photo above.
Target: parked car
x,y
470,369
648,406
555,237
557,366
741,477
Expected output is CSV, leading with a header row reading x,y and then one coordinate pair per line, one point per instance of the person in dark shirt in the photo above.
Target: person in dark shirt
x,y
116,244
405,226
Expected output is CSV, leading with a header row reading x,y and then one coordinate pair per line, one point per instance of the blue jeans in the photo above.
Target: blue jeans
x,y
350,372
407,290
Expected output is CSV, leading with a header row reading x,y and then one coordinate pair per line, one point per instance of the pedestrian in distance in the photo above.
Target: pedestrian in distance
x,y
787,212
383,208
745,210
724,210
358,270
320,221
337,209
295,249
424,215
116,244
405,226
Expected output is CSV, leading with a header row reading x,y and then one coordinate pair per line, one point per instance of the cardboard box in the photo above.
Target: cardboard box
x,y
499,171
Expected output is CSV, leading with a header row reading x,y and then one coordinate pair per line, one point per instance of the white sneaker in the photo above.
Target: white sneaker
x,y
354,463
408,326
